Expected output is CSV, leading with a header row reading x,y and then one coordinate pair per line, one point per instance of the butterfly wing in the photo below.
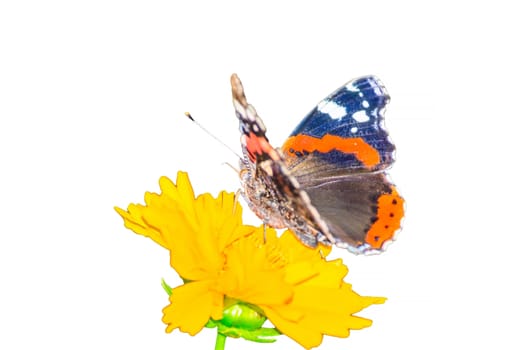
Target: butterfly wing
x,y
338,154
345,129
271,192
362,211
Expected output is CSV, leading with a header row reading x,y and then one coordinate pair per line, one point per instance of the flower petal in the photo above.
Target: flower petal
x,y
293,329
330,311
333,325
250,276
341,300
134,221
322,303
315,312
296,251
192,304
194,230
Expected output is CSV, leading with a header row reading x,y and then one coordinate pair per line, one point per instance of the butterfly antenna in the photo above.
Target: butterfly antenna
x,y
188,115
234,168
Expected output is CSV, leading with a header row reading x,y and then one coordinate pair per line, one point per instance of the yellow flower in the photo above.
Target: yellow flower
x,y
195,231
224,262
322,302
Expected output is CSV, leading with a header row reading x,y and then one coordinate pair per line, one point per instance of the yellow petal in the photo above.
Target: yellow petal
x,y
293,329
182,192
332,324
322,303
301,272
194,230
331,300
327,274
134,221
318,312
249,275
296,251
330,311
191,306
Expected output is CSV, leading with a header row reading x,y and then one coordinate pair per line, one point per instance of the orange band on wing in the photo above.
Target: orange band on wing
x,y
257,145
357,146
390,213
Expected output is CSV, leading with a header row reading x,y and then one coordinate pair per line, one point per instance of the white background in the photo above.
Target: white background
x,y
92,96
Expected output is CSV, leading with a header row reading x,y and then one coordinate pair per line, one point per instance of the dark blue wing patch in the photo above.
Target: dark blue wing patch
x,y
352,115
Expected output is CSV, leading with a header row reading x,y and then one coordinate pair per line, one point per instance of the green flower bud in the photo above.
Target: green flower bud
x,y
240,315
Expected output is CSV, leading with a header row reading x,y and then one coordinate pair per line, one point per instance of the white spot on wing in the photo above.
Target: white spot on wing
x,y
360,116
351,87
331,108
365,104
250,113
354,129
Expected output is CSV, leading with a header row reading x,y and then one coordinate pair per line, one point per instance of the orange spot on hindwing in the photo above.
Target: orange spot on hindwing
x,y
364,152
390,213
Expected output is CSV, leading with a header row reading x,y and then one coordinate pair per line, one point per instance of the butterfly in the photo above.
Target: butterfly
x,y
328,181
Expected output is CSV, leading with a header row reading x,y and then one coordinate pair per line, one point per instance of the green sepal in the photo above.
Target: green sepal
x,y
166,287
261,335
211,323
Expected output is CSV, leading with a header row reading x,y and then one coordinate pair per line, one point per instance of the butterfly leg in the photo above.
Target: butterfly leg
x,y
237,195
321,238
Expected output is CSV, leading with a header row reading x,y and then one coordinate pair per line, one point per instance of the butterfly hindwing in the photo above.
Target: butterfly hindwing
x,y
362,211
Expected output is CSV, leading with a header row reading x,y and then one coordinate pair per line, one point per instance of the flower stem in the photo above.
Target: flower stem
x,y
220,341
